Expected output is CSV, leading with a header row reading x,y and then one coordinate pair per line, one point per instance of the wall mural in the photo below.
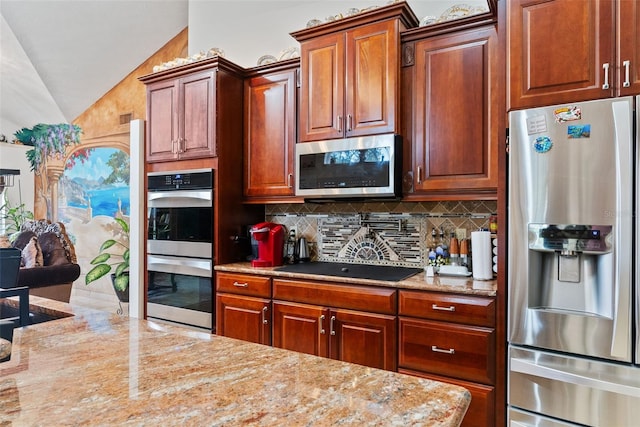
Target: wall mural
x,y
96,185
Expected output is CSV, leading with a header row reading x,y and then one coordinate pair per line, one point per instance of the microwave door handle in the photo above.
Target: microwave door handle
x,y
621,337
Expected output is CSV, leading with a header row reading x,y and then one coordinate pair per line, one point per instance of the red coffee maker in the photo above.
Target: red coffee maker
x,y
270,239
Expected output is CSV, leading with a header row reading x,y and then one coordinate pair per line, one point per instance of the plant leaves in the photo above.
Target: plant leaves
x,y
100,259
121,282
123,224
121,268
107,244
125,256
97,272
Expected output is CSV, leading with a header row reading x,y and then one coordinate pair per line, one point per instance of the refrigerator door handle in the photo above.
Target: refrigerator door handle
x,y
526,367
621,337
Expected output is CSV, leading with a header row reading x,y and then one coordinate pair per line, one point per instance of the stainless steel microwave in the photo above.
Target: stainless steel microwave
x,y
353,168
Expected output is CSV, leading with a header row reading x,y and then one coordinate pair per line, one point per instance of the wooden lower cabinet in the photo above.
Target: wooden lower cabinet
x,y
351,336
451,338
243,307
244,318
481,409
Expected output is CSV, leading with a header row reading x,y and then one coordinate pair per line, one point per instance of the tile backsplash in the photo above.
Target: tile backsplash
x,y
384,233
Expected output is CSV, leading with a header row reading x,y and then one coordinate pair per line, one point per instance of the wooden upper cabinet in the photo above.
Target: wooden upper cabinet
x,y
196,115
629,47
457,100
562,51
180,118
162,120
270,132
350,75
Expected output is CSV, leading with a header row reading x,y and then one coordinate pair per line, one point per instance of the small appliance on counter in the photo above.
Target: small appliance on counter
x,y
270,238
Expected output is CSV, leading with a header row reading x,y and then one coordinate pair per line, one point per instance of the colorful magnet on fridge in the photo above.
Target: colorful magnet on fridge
x,y
567,114
578,131
542,144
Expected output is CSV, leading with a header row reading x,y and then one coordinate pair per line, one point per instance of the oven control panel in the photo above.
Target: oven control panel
x,y
180,180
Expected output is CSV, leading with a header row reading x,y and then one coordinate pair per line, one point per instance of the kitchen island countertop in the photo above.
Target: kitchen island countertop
x,y
419,282
97,368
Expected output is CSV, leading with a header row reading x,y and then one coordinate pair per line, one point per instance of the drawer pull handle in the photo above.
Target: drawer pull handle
x,y
441,350
437,307
240,285
322,331
264,315
331,330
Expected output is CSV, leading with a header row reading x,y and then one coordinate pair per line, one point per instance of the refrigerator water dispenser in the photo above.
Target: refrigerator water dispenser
x,y
571,266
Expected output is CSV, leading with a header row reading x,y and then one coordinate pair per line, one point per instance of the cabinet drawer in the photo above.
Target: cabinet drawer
x,y
470,310
244,284
369,299
481,409
465,352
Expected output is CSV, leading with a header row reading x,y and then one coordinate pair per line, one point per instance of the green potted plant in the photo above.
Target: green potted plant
x,y
118,257
14,217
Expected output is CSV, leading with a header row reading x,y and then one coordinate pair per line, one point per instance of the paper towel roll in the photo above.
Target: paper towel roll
x,y
482,255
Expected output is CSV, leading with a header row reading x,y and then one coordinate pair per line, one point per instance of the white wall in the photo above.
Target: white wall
x,y
248,29
28,94
13,156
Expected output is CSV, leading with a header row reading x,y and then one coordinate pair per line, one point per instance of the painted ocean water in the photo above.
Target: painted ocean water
x,y
104,201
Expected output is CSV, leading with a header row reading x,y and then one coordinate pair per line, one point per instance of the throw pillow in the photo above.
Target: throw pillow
x,y
53,252
4,241
23,238
32,254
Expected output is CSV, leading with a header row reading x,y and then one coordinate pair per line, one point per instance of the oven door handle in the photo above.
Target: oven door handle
x,y
187,266
173,199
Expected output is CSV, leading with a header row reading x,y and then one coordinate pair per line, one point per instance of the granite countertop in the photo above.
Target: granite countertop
x,y
463,285
97,368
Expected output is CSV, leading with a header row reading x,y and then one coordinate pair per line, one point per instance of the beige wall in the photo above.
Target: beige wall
x,y
128,96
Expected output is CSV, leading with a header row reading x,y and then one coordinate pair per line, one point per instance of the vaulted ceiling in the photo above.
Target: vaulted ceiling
x,y
59,57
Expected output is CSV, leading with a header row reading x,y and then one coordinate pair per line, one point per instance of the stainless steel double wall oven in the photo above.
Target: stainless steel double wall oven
x,y
180,247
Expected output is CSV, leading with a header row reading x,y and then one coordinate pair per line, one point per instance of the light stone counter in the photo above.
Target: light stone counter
x,y
463,285
97,368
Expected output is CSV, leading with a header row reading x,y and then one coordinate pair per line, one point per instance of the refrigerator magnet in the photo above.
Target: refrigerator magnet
x,y
567,114
536,124
579,131
542,144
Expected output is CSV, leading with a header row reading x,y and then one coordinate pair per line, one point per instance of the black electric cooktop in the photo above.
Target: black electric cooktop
x,y
356,271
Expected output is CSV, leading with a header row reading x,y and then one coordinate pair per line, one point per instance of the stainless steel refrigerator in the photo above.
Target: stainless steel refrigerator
x,y
573,304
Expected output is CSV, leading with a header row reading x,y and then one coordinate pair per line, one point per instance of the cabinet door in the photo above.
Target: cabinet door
x,y
322,88
557,51
457,97
270,126
196,115
629,47
301,327
372,79
162,121
244,318
363,338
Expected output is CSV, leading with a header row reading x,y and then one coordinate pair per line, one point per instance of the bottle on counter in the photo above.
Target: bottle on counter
x,y
454,250
464,252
